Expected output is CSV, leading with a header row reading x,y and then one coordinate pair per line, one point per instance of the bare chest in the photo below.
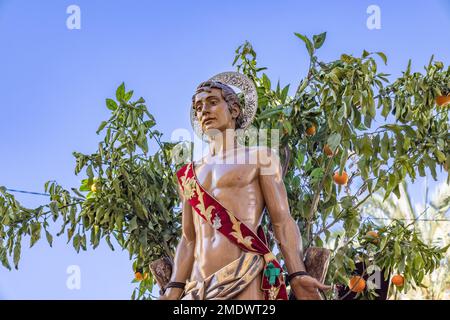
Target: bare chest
x,y
214,177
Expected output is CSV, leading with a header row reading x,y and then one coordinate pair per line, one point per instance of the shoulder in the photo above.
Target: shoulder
x,y
267,159
264,154
201,161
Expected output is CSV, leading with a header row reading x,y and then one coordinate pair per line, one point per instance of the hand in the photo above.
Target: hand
x,y
171,294
307,288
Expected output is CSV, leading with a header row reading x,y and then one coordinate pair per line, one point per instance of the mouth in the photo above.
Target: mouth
x,y
206,121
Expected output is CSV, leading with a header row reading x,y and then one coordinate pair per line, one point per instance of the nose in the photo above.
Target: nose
x,y
204,109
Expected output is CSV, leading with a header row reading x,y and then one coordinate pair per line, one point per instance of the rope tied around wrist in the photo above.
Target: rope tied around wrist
x,y
173,284
296,274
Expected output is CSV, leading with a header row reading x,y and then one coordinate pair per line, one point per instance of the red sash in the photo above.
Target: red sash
x,y
236,231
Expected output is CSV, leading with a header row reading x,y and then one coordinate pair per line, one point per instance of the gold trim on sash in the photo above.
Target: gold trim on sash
x,y
228,282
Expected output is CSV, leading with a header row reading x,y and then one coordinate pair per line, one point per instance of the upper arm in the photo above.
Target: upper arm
x,y
187,219
272,185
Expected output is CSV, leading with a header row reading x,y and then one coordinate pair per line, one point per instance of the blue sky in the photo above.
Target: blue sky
x,y
54,81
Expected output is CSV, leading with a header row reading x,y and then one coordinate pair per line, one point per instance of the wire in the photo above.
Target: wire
x,y
370,217
407,219
29,192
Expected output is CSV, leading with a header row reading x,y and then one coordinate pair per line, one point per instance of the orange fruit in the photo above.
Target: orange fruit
x,y
398,280
95,187
373,235
340,179
311,130
138,276
328,150
443,101
357,284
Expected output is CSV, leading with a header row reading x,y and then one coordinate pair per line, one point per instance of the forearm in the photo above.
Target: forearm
x,y
183,261
182,266
290,244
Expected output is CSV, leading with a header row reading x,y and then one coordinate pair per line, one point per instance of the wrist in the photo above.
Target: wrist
x,y
173,293
173,290
297,275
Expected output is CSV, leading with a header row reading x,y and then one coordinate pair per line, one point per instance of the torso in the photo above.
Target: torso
x,y
236,187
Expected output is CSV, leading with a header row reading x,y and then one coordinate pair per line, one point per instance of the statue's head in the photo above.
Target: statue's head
x,y
217,106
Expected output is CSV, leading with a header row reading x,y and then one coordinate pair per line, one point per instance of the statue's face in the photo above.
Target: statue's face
x,y
213,112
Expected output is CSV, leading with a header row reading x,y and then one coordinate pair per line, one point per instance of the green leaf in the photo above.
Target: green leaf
x,y
143,144
90,172
108,241
431,165
4,259
319,40
347,202
333,141
54,207
343,160
83,241
334,78
49,238
417,261
85,187
299,159
385,147
143,238
287,125
319,242
111,104
382,56
120,92
266,82
76,242
140,100
308,43
439,65
16,256
386,107
133,224
440,156
149,124
408,68
269,112
35,233
421,168
128,95
101,126
78,193
317,173
366,146
6,220
347,58
397,250
284,93
397,191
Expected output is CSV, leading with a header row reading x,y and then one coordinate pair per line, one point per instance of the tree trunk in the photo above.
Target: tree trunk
x,y
317,261
162,271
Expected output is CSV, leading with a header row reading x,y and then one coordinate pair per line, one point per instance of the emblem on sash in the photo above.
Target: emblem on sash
x,y
216,222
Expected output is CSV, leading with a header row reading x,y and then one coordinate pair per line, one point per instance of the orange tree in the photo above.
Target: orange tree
x,y
334,158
